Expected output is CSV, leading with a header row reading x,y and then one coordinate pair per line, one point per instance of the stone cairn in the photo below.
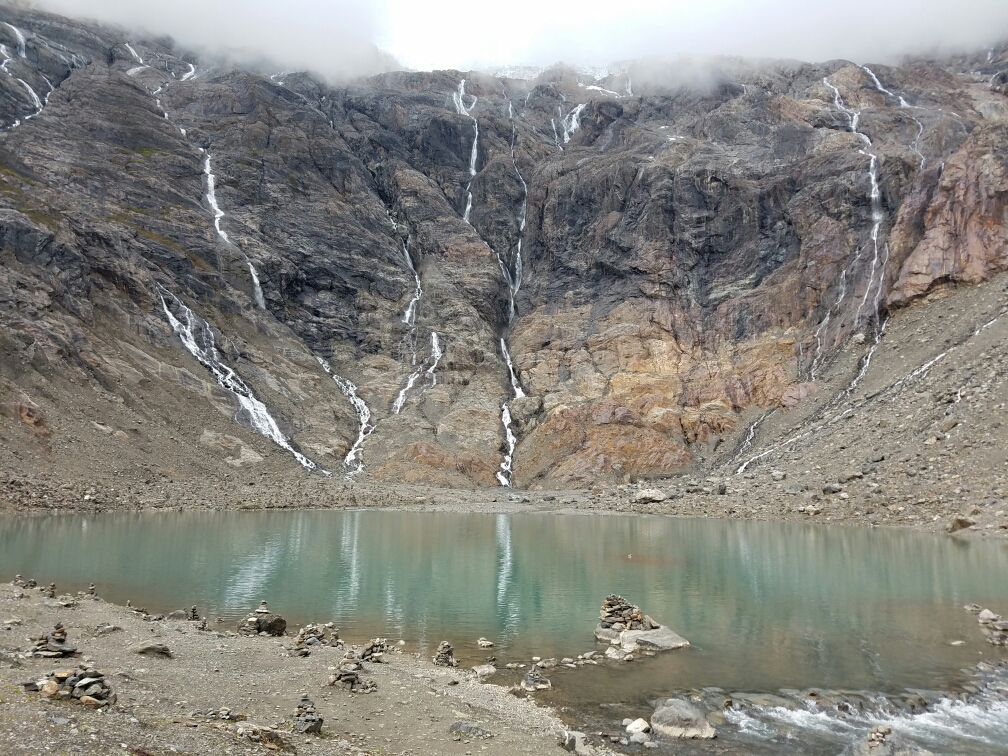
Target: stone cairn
x,y
445,656
263,622
306,719
374,650
316,635
619,614
347,675
84,684
53,645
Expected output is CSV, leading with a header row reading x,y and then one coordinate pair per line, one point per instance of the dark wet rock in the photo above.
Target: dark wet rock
x,y
534,680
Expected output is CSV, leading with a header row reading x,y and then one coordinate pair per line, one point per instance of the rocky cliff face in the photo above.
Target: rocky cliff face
x,y
461,279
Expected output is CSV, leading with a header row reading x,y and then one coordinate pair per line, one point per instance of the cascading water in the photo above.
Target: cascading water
x,y
134,53
458,97
571,123
36,102
218,214
189,74
20,39
436,354
198,339
349,390
876,82
878,217
512,276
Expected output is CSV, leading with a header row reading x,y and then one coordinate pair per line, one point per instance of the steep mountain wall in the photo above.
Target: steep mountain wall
x,y
655,253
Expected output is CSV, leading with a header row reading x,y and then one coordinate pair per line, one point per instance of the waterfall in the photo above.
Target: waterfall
x,y
198,339
571,122
878,84
189,74
20,39
458,97
134,53
349,390
512,277
218,214
436,354
878,217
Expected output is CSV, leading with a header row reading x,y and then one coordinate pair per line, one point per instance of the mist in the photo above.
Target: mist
x,y
341,39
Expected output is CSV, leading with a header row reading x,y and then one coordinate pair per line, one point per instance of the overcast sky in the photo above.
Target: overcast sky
x,y
338,36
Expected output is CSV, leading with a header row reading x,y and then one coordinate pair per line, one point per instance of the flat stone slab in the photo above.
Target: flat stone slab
x,y
663,638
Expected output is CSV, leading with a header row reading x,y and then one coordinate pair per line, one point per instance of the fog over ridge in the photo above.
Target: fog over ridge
x,y
340,38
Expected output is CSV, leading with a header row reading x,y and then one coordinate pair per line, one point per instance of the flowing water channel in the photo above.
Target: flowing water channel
x,y
766,606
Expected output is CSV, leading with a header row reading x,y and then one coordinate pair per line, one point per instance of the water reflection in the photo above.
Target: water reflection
x,y
765,605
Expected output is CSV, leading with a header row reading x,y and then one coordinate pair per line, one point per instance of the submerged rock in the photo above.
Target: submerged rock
x,y
881,742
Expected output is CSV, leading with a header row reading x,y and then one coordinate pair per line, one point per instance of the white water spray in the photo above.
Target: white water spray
x,y
133,52
189,74
218,214
198,339
436,355
458,97
513,280
20,39
876,82
356,453
571,122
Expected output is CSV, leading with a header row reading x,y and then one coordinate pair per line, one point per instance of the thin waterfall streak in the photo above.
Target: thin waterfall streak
x,y
218,215
134,53
349,390
198,339
436,354
876,82
401,398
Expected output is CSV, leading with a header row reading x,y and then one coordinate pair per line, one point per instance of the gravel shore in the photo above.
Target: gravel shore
x,y
162,703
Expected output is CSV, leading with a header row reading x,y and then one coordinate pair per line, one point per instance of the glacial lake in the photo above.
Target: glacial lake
x,y
765,606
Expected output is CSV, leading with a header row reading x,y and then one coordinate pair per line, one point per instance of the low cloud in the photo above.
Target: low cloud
x,y
339,38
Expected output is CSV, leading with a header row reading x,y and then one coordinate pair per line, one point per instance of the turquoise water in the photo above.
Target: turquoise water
x,y
764,605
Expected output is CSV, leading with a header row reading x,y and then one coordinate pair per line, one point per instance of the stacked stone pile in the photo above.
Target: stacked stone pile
x,y
53,645
619,614
83,684
315,635
306,719
374,649
347,675
263,622
445,656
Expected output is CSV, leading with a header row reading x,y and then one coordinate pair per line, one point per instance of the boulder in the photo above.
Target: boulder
x,y
675,718
484,670
960,522
649,496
